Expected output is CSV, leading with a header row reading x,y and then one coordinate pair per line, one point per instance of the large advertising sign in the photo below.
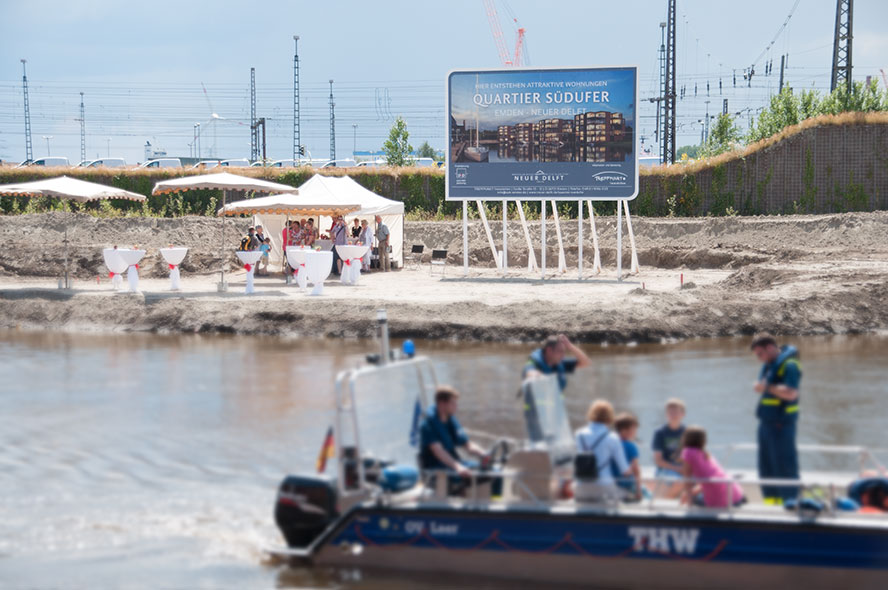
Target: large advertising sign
x,y
564,134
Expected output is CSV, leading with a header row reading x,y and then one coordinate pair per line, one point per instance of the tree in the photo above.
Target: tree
x,y
692,151
427,151
396,147
788,108
724,136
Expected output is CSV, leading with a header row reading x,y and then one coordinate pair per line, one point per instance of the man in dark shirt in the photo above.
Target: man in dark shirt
x,y
441,435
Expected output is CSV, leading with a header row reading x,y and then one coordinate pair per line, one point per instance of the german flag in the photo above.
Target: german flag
x,y
327,451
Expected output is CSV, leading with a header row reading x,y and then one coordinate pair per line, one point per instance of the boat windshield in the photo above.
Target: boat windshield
x,y
389,402
546,418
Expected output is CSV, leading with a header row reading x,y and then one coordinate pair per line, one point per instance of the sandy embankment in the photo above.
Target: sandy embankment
x,y
794,275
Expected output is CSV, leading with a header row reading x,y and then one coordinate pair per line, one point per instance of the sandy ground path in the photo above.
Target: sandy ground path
x,y
792,275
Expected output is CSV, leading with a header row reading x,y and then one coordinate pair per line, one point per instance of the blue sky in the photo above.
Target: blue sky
x,y
141,64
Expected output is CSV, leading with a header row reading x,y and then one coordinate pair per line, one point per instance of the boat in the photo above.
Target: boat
x,y
379,510
477,152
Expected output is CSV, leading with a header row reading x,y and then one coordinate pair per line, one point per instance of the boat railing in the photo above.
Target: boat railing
x,y
477,495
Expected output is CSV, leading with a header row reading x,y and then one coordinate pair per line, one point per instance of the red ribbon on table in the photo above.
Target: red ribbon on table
x,y
348,262
111,274
172,266
136,266
248,267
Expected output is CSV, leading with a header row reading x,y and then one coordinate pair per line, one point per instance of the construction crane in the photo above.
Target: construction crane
x,y
509,60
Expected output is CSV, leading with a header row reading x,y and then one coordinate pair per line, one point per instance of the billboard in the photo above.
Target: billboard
x,y
564,134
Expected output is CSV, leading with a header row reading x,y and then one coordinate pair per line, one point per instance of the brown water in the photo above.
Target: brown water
x,y
142,461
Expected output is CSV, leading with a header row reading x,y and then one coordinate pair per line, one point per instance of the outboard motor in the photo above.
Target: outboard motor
x,y
305,508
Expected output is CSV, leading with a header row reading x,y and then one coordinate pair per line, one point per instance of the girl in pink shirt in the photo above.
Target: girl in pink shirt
x,y
699,464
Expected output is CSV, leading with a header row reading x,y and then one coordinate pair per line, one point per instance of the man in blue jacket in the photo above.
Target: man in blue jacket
x,y
778,413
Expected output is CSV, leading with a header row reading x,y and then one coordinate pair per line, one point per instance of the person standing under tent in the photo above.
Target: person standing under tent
x,y
778,413
366,240
339,233
285,237
383,236
356,229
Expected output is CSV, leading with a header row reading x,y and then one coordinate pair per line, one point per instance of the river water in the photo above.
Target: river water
x,y
145,461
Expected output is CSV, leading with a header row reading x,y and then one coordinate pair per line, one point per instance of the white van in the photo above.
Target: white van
x,y
162,163
205,165
344,163
103,163
289,163
236,163
47,161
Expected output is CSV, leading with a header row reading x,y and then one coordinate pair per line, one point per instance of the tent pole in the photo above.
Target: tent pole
x,y
465,220
619,241
543,236
580,241
67,281
224,198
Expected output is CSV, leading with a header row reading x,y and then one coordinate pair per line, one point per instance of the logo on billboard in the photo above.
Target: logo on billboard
x,y
614,178
539,177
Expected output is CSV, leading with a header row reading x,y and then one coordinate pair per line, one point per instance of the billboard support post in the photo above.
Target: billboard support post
x,y
633,264
562,265
543,236
596,261
531,253
580,241
505,236
619,243
465,216
483,214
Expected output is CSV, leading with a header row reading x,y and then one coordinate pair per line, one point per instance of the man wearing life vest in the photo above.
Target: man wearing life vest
x,y
778,412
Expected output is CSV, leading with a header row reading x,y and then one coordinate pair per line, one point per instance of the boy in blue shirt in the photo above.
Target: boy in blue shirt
x,y
265,248
626,426
667,446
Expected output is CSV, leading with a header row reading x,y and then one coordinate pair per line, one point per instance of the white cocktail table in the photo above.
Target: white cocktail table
x,y
249,259
318,265
296,260
116,266
131,258
174,257
351,263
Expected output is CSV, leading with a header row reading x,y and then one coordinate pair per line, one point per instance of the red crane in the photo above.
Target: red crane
x,y
513,60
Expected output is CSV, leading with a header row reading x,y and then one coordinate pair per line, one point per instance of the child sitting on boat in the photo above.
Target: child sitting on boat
x,y
626,426
699,464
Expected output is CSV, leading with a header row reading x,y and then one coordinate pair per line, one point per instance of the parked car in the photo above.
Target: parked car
x,y
236,163
205,165
344,163
103,162
373,164
162,163
47,161
289,163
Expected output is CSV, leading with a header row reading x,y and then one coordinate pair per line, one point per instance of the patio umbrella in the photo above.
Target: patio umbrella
x,y
286,205
71,189
225,182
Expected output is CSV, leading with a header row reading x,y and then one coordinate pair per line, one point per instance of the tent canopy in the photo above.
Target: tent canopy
x,y
220,181
343,189
286,205
65,187
334,192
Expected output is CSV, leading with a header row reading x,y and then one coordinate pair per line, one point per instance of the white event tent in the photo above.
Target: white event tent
x,y
340,195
